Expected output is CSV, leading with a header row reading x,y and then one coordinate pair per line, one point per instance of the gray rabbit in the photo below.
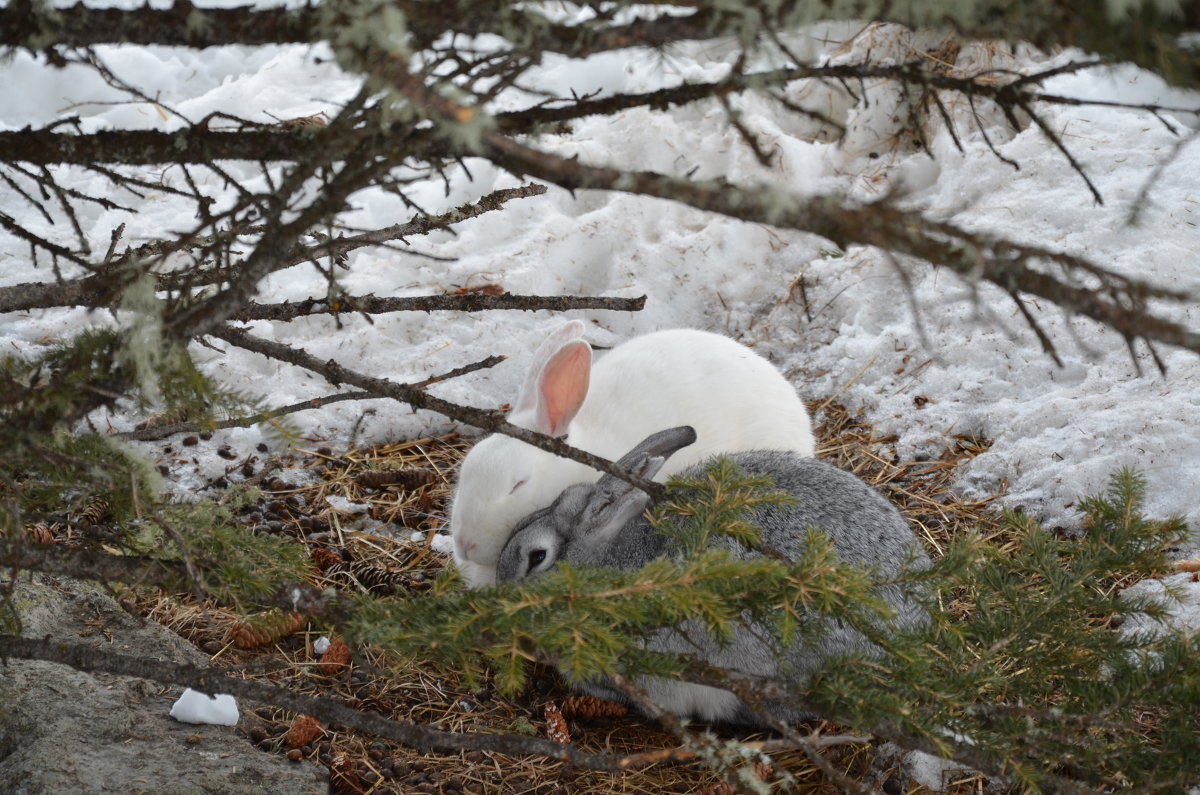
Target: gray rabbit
x,y
602,524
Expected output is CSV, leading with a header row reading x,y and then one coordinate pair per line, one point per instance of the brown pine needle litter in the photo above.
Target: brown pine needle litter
x,y
388,501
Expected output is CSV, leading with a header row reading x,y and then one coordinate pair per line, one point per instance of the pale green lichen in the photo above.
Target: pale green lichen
x,y
141,314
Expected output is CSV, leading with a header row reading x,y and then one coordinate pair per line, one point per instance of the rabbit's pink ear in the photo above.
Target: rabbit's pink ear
x,y
527,400
562,388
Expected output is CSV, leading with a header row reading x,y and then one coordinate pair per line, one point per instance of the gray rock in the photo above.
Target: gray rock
x,y
64,731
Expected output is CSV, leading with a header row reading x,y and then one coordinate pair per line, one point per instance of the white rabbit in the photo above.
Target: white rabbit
x,y
734,398
602,525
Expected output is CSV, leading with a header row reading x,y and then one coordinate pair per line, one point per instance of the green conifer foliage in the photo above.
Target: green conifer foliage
x,y
1023,672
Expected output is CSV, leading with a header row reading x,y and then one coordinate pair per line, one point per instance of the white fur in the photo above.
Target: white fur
x,y
734,398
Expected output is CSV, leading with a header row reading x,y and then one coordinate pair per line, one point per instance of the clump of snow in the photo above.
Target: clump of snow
x,y
442,543
321,645
346,505
196,707
1179,595
933,772
927,770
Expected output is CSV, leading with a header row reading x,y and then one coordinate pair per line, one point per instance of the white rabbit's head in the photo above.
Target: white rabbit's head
x,y
502,479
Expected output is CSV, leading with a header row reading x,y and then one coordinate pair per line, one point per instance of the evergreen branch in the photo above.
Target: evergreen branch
x,y
211,680
491,421
759,692
727,755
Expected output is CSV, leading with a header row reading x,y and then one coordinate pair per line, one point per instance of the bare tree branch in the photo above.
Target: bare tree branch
x,y
211,680
1141,33
169,429
1121,305
492,421
468,302
88,564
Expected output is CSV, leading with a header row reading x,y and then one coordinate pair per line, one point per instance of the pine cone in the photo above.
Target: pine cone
x,y
335,659
371,578
303,731
343,779
260,630
720,788
323,558
590,708
764,771
556,725
95,511
41,533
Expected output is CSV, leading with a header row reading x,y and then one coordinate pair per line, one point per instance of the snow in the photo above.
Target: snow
x,y
1178,594
321,645
346,505
978,371
933,772
442,543
196,707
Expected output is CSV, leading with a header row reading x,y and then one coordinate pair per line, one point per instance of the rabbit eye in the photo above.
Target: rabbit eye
x,y
516,486
536,557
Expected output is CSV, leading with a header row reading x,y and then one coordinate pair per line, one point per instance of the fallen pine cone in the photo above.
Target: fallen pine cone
x,y
260,630
556,725
40,533
303,731
96,510
335,658
375,579
590,708
343,779
323,558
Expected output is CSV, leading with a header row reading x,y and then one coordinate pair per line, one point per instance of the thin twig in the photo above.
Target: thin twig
x,y
170,429
419,399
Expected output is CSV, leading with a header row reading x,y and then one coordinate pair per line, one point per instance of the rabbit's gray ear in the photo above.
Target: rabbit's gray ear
x,y
612,503
648,457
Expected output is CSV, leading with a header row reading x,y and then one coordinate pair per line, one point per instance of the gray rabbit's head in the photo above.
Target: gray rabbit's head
x,y
582,525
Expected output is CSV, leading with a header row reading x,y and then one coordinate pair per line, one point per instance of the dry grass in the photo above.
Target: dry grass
x,y
389,559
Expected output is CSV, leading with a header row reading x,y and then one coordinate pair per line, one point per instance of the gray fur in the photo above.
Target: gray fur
x,y
602,524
